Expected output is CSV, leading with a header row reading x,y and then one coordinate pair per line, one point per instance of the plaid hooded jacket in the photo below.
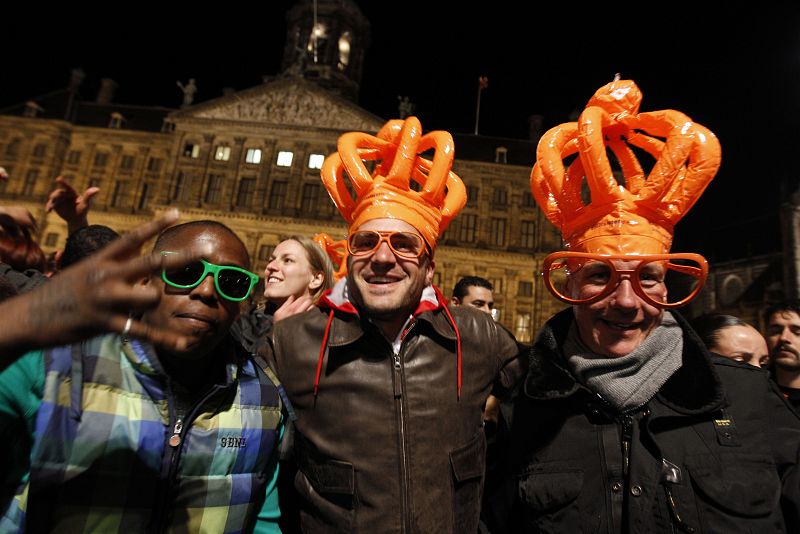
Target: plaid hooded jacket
x,y
112,453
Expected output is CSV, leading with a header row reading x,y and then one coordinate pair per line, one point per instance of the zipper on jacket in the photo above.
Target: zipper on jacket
x,y
405,504
175,438
172,454
398,398
627,436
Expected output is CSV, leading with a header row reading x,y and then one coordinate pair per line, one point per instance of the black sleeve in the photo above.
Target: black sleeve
x,y
782,427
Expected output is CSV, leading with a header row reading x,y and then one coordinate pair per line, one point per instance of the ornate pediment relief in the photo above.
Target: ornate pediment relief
x,y
290,103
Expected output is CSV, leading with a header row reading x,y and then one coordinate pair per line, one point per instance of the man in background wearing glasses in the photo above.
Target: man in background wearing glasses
x,y
116,435
388,383
625,422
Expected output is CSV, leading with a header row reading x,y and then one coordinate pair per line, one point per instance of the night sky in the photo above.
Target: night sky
x,y
727,65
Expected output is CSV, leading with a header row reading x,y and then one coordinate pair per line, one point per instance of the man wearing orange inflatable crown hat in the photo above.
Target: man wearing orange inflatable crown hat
x,y
387,382
625,422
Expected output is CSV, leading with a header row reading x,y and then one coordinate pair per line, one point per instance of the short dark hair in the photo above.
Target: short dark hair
x,y
84,242
785,306
170,233
709,326
19,250
463,285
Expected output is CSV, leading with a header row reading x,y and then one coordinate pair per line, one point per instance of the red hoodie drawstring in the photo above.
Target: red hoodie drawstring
x,y
441,302
458,336
322,353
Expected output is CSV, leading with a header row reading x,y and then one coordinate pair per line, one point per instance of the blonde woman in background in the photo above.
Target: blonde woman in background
x,y
297,275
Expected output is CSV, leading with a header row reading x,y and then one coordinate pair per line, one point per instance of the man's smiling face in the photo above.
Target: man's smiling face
x,y
383,285
617,324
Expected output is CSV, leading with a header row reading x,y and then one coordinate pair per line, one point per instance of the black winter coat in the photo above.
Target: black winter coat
x,y
715,450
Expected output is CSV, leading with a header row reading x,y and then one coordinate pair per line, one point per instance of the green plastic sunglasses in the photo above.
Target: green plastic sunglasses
x,y
232,283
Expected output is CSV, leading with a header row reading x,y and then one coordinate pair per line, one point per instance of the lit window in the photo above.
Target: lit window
x,y
317,40
253,155
285,158
222,153
191,150
523,327
315,161
344,50
116,120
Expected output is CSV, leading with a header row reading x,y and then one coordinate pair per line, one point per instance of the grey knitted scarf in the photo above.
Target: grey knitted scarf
x,y
628,382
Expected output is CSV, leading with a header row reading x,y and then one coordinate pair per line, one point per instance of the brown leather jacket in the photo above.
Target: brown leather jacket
x,y
386,445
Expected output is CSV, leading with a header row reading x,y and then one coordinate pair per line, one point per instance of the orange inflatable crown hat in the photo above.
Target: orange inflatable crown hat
x,y
387,192
627,213
336,251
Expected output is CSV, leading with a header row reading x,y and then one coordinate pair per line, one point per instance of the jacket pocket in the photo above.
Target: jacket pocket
x,y
327,488
549,497
736,493
468,464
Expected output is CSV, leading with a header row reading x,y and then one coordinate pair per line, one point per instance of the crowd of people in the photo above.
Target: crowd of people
x,y
156,392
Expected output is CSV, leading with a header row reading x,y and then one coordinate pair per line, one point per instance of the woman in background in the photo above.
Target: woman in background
x,y
733,338
297,275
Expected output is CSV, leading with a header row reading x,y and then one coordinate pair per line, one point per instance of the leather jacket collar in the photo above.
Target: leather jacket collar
x,y
347,326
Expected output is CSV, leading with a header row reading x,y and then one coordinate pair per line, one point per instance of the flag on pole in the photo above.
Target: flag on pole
x,y
483,83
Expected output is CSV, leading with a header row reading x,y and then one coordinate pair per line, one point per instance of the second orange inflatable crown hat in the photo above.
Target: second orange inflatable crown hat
x,y
634,214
